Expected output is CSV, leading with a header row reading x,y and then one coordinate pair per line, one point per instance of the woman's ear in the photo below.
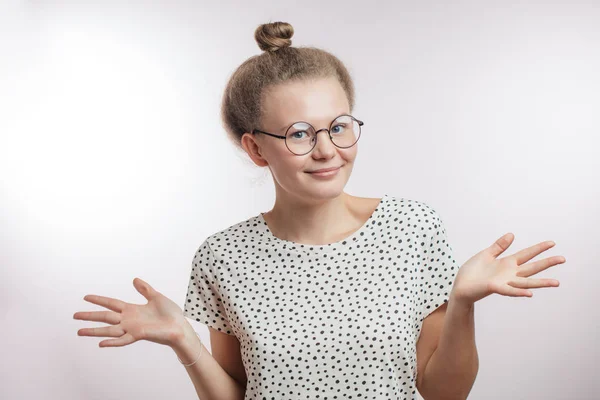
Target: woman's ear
x,y
251,145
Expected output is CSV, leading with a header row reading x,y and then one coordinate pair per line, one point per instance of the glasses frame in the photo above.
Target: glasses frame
x,y
360,123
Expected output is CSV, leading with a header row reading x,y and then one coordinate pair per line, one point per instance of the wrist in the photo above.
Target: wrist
x,y
187,345
460,301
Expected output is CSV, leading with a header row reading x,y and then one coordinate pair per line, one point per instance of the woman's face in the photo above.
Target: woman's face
x,y
317,102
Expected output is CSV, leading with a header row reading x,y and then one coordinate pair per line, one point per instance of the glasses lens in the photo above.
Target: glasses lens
x,y
345,131
300,138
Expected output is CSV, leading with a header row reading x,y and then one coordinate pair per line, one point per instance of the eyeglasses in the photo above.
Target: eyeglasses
x,y
301,137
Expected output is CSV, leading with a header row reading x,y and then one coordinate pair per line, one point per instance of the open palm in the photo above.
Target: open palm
x,y
485,273
160,320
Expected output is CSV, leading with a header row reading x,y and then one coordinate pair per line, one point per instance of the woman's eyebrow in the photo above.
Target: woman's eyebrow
x,y
330,121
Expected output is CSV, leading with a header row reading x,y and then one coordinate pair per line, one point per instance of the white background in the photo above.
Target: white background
x,y
114,164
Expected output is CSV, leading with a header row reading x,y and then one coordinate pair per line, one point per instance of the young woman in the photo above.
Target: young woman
x,y
328,295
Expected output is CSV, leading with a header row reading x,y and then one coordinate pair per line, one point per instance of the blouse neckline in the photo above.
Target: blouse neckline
x,y
351,238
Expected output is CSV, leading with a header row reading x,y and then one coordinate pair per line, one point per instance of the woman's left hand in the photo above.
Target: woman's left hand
x,y
484,274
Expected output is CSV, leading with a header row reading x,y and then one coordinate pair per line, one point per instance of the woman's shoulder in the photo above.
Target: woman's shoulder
x,y
408,202
419,211
250,228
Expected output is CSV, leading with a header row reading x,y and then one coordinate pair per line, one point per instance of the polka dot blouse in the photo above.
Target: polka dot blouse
x,y
334,321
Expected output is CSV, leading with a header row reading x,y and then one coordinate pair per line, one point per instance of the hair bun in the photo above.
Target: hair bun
x,y
274,35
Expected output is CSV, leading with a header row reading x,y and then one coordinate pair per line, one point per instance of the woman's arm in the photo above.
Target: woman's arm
x,y
211,381
452,368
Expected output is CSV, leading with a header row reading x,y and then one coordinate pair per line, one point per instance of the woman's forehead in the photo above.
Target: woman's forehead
x,y
315,102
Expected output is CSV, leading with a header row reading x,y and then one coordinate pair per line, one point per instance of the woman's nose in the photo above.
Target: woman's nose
x,y
324,144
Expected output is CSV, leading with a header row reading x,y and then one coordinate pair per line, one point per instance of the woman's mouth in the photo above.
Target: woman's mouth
x,y
326,172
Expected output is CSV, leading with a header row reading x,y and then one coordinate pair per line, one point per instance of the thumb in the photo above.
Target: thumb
x,y
144,288
501,244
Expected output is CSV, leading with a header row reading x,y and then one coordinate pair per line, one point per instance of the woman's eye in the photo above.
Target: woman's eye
x,y
332,129
296,133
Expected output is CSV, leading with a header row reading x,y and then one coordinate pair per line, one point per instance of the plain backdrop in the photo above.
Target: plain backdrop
x,y
114,165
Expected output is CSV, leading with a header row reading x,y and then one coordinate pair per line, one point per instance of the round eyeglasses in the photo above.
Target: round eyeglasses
x,y
301,137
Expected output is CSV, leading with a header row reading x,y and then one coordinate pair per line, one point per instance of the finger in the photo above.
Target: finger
x,y
502,244
110,331
122,341
144,288
538,266
510,291
527,254
531,283
109,317
108,302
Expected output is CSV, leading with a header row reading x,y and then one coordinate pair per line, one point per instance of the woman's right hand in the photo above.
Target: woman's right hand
x,y
160,320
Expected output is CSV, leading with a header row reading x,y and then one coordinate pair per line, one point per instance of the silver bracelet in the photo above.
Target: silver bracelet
x,y
187,365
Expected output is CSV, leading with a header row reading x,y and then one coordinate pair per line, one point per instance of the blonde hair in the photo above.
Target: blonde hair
x,y
241,110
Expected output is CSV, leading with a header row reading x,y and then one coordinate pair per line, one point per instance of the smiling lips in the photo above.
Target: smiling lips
x,y
325,173
323,170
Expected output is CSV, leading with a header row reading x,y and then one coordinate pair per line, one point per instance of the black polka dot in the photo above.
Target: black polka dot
x,y
334,321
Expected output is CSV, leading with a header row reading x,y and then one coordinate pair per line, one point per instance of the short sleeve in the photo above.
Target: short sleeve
x,y
203,302
438,270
